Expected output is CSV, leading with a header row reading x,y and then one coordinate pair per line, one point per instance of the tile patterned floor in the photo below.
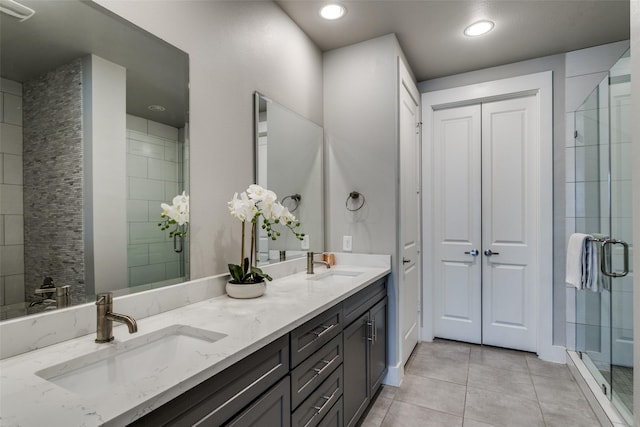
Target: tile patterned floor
x,y
450,384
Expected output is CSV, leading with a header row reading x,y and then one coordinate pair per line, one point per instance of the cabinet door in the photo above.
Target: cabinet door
x,y
378,345
356,369
271,409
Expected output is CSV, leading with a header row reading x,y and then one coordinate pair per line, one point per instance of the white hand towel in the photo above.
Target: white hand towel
x,y
577,259
590,269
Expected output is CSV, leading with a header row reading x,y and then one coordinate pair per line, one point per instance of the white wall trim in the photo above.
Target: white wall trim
x,y
395,375
540,85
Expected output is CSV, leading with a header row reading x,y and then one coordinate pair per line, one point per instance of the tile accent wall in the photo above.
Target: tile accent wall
x,y
11,190
53,173
154,159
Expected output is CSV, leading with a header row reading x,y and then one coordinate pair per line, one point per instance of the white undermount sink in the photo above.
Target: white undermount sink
x,y
334,276
164,354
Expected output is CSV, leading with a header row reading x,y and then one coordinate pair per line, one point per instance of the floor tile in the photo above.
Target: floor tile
x,y
514,383
450,350
499,358
439,368
433,394
388,391
502,410
402,414
547,369
558,390
559,415
468,422
377,411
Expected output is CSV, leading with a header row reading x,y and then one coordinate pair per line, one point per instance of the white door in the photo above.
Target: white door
x,y
457,224
509,226
485,223
409,130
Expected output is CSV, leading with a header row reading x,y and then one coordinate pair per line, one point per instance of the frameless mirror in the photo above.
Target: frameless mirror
x,y
289,150
94,138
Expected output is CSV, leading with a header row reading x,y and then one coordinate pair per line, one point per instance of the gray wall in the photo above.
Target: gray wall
x,y
234,49
360,110
53,225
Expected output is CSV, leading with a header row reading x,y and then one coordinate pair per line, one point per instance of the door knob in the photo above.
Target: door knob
x,y
405,261
473,252
488,252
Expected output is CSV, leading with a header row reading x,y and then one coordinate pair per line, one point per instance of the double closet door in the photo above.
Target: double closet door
x,y
486,223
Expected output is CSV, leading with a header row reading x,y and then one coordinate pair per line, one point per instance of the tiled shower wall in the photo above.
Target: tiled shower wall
x,y
154,159
53,175
11,188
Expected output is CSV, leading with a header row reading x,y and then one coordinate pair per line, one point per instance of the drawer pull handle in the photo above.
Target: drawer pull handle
x,y
325,329
327,399
369,331
327,363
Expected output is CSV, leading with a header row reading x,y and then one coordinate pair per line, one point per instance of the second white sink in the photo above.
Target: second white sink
x,y
162,354
334,276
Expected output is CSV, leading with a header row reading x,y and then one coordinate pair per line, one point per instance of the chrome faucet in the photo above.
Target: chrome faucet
x,y
310,263
106,317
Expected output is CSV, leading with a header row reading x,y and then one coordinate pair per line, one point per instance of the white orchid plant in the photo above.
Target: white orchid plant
x,y
250,206
176,215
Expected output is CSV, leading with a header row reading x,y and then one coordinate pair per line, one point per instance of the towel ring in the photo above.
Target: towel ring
x,y
296,198
354,195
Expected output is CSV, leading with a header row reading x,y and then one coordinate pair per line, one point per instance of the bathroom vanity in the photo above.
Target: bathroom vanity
x,y
311,351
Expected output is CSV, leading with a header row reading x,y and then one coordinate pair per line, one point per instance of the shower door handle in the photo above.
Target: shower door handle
x,y
603,258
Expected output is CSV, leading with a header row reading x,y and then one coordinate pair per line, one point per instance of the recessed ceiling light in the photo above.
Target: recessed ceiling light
x,y
333,11
478,28
156,108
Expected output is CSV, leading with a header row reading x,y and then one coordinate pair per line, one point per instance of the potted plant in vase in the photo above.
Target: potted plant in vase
x,y
176,215
247,280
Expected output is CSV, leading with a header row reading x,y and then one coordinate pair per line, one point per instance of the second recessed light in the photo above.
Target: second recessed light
x,y
478,28
333,11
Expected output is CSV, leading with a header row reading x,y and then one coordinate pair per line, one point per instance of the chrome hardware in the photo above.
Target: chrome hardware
x,y
63,294
311,262
603,258
178,247
489,252
405,261
374,331
327,399
369,331
473,252
106,317
327,363
325,329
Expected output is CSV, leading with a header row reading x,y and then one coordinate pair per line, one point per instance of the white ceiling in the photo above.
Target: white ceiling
x,y
430,32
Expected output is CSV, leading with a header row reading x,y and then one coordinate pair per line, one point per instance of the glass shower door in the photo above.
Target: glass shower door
x,y
621,229
604,319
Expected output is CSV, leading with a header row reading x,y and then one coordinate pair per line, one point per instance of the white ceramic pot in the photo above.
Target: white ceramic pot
x,y
245,291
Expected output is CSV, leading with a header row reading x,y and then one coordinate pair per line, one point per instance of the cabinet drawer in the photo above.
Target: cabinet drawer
x,y
334,417
313,371
219,398
308,338
320,402
271,409
357,304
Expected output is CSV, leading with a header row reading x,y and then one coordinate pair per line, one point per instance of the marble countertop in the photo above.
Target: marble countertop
x,y
26,399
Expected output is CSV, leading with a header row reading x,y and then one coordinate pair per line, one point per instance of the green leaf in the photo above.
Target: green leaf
x,y
236,272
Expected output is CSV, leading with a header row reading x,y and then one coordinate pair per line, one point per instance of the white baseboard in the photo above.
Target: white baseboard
x,y
553,353
394,376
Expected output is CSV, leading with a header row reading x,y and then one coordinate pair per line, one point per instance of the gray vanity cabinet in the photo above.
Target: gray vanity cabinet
x,y
365,349
320,374
271,409
226,395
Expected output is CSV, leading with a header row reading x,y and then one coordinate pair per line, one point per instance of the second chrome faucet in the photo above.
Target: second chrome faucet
x,y
311,262
106,317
